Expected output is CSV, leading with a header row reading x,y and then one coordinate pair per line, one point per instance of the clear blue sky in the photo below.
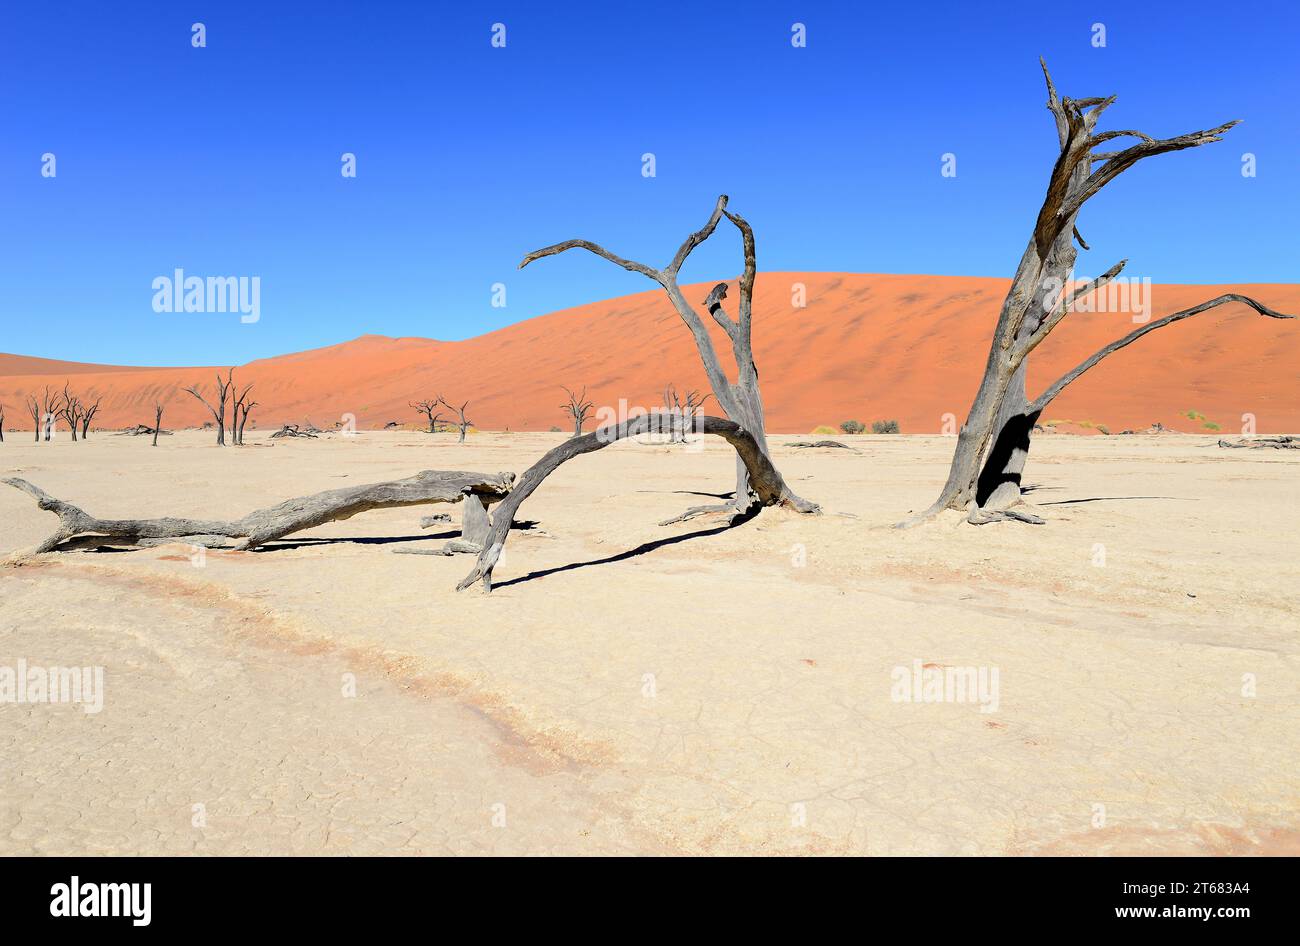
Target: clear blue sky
x,y
226,160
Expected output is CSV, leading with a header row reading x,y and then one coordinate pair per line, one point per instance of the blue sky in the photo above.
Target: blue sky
x,y
225,160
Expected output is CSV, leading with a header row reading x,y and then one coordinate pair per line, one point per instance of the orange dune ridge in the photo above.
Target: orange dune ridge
x,y
866,347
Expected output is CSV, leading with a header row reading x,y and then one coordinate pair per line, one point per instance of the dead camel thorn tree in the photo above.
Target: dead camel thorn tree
x,y
689,408
224,389
34,408
51,407
430,410
77,529
87,415
742,400
578,408
239,410
464,423
157,422
993,445
70,411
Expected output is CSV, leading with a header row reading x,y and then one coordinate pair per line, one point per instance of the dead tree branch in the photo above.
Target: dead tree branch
x,y
769,487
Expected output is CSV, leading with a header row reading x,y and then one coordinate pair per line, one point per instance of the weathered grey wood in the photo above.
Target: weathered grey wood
x,y
993,444
768,486
1276,443
292,430
262,525
742,401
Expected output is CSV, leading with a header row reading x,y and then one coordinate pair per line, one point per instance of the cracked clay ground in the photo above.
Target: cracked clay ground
x,y
726,693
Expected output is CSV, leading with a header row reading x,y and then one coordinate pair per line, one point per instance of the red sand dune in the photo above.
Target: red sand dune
x,y
866,347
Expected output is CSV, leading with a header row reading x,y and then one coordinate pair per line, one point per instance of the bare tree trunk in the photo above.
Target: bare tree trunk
x,y
578,407
770,489
34,408
87,416
244,411
984,478
157,422
219,411
464,422
262,525
71,412
50,405
236,412
742,401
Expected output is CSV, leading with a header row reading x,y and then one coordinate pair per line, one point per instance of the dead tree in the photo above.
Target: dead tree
x,y
430,410
689,408
984,478
464,423
78,529
70,411
219,410
34,408
578,408
769,488
50,406
245,408
2,423
157,422
236,412
87,415
742,401
292,430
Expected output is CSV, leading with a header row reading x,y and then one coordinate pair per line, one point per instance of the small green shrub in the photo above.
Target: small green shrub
x,y
884,427
852,427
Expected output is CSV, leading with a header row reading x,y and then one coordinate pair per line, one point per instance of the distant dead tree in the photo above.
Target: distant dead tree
x,y
237,413
224,389
430,410
50,405
464,423
687,409
245,408
2,423
157,422
34,408
742,401
578,407
984,478
87,415
70,411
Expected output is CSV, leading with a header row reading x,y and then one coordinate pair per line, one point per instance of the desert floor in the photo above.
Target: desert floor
x,y
629,687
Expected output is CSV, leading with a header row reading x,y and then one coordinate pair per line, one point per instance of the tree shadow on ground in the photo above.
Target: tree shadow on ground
x,y
642,549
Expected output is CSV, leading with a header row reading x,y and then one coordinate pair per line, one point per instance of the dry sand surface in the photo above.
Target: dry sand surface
x,y
635,688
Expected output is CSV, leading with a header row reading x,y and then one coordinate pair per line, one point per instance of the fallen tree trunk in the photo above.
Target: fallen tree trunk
x,y
1277,443
766,483
78,528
